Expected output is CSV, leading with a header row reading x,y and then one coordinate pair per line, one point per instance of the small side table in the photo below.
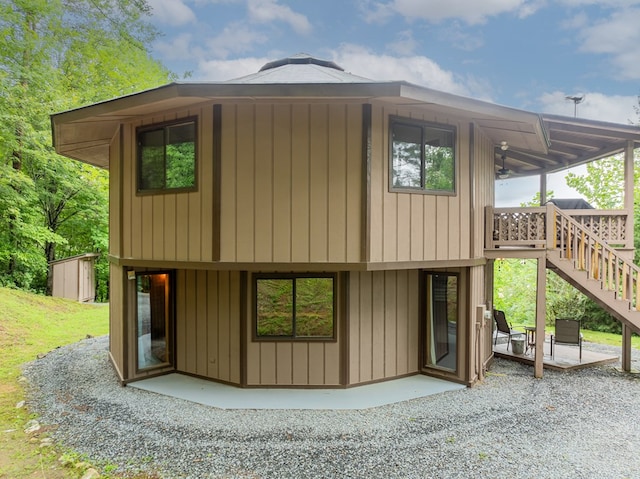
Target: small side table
x,y
530,331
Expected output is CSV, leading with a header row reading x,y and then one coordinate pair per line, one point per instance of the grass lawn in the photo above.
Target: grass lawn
x,y
31,325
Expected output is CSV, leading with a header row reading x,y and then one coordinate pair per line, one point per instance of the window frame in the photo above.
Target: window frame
x,y
293,338
397,120
164,126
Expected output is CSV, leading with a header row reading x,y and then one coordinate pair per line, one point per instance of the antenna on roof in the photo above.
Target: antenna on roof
x,y
575,99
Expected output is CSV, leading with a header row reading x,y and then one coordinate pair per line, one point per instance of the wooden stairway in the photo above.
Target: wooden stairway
x,y
596,269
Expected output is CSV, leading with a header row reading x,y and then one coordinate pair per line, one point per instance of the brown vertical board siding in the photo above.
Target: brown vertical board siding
x,y
355,163
413,302
158,228
213,326
300,183
403,330
191,332
300,359
116,320
263,181
354,327
282,187
115,193
284,363
182,227
318,187
331,366
181,324
245,181
456,221
365,183
236,286
463,228
194,226
366,327
337,185
169,235
378,325
417,228
146,219
442,228
404,227
206,182
390,324
376,184
133,200
429,229
316,364
390,228
228,183
225,308
268,364
202,321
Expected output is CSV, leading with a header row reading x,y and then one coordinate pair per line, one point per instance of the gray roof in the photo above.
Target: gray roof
x,y
301,68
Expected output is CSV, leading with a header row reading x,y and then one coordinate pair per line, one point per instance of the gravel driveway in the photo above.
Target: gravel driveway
x,y
581,424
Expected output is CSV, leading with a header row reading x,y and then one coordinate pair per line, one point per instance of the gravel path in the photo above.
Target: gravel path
x,y
569,425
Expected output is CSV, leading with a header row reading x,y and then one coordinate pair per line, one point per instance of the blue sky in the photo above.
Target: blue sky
x,y
527,54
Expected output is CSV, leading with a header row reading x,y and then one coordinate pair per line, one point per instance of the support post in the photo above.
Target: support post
x,y
628,193
543,189
626,348
541,312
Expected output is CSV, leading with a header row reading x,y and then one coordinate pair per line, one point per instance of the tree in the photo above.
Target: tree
x,y
56,55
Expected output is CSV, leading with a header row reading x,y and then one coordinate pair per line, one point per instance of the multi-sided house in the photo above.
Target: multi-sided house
x,y
303,226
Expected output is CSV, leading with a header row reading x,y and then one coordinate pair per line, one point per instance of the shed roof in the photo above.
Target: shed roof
x,y
537,143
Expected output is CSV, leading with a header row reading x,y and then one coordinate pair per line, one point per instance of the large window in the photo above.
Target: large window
x,y
294,306
167,157
422,157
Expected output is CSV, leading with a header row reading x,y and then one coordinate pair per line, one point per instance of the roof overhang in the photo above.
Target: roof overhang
x,y
537,144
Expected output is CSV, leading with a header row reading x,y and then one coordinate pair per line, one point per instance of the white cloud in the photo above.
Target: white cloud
x,y
234,39
618,37
404,45
178,48
171,12
415,69
470,11
266,11
596,106
223,70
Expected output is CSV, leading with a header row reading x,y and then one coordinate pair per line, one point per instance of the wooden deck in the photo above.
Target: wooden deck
x,y
566,357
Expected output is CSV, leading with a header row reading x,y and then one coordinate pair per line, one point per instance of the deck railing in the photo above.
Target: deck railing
x,y
526,227
592,254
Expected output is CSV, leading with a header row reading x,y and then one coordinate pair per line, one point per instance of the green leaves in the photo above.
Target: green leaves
x,y
57,55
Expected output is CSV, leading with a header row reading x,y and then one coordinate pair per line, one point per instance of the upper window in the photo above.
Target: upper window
x,y
167,157
294,306
422,157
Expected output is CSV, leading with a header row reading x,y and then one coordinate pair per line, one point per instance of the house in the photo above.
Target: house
x,y
306,227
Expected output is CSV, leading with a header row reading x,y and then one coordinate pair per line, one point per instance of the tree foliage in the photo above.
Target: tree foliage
x,y
57,55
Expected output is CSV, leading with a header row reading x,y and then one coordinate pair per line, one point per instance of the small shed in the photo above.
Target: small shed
x,y
74,277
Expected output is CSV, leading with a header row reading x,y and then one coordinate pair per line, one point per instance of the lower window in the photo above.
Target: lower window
x,y
294,306
441,320
153,320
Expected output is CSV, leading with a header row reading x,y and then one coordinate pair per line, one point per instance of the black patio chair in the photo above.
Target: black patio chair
x,y
567,332
503,327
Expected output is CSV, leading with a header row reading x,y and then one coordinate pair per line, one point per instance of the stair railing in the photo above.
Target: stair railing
x,y
591,254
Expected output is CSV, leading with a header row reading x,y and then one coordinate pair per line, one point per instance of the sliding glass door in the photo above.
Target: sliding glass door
x,y
153,297
440,320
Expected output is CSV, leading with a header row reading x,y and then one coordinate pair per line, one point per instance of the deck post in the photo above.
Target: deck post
x,y
628,193
541,312
543,189
626,348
